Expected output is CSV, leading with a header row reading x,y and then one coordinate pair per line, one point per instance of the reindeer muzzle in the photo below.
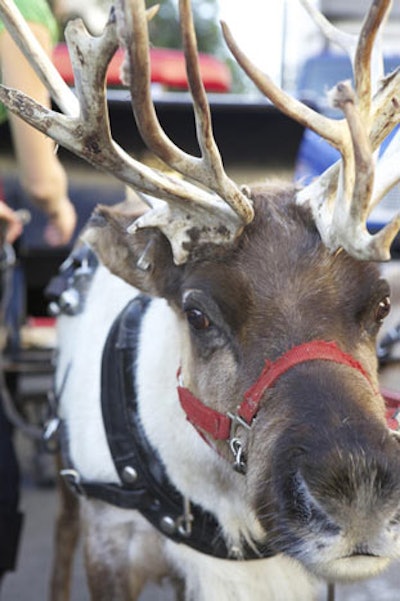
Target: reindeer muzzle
x,y
220,426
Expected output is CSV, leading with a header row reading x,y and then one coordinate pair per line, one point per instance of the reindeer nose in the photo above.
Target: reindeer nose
x,y
355,489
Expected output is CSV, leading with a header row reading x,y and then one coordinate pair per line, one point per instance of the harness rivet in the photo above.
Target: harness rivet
x,y
129,474
167,524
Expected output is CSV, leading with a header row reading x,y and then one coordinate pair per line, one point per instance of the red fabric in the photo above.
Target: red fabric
x,y
167,68
316,350
42,322
205,418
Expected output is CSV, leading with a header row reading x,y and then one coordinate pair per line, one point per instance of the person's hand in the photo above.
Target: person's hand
x,y
13,222
61,224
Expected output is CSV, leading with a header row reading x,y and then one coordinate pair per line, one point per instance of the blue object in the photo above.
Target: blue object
x,y
319,74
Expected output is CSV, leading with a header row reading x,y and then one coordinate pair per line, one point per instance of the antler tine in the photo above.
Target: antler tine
x,y
320,193
343,224
346,41
332,130
354,45
218,180
367,66
368,56
347,228
88,135
387,173
208,169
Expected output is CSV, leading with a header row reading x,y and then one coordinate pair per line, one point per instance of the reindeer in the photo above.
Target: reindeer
x,y
218,387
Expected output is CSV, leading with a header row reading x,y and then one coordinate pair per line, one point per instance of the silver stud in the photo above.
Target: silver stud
x,y
69,301
167,524
54,309
129,474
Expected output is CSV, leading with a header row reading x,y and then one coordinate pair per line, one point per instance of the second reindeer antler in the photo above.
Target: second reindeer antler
x,y
342,198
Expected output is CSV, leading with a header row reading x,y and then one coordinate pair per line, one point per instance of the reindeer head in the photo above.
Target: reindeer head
x,y
267,273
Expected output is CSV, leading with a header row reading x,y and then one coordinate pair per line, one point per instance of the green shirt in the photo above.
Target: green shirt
x,y
34,11
37,11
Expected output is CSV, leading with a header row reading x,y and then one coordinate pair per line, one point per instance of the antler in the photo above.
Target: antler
x,y
343,197
217,211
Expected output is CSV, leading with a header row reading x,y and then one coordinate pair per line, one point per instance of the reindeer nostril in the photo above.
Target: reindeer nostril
x,y
300,499
306,509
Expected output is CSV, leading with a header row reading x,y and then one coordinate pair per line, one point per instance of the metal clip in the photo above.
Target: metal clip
x,y
237,421
73,478
144,262
235,444
239,465
184,522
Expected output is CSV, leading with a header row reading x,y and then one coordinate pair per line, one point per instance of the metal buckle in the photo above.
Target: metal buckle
x,y
181,525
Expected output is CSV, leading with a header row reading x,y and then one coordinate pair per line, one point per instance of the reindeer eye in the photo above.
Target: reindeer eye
x,y
197,319
383,309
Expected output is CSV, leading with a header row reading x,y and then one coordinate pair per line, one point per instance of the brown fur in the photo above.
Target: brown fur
x,y
319,454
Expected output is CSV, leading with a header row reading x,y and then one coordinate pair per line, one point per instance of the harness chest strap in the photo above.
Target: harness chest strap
x,y
220,426
145,485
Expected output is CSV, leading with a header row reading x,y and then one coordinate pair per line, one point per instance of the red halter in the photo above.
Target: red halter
x,y
220,426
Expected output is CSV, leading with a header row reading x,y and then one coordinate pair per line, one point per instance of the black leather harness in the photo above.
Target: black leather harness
x,y
145,485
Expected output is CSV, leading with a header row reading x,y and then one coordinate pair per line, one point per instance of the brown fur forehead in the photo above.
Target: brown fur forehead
x,y
235,279
283,238
281,273
223,282
281,251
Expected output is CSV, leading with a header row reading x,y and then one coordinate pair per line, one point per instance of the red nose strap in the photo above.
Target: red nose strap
x,y
219,425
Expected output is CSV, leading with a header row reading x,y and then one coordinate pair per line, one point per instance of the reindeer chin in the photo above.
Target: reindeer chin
x,y
350,569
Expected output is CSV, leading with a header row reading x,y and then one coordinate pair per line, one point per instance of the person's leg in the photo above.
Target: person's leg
x,y
10,516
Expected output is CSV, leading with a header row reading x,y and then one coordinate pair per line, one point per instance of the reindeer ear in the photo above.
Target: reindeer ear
x,y
143,259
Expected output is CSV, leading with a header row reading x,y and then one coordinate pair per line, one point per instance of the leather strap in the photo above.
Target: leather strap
x,y
219,425
150,491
